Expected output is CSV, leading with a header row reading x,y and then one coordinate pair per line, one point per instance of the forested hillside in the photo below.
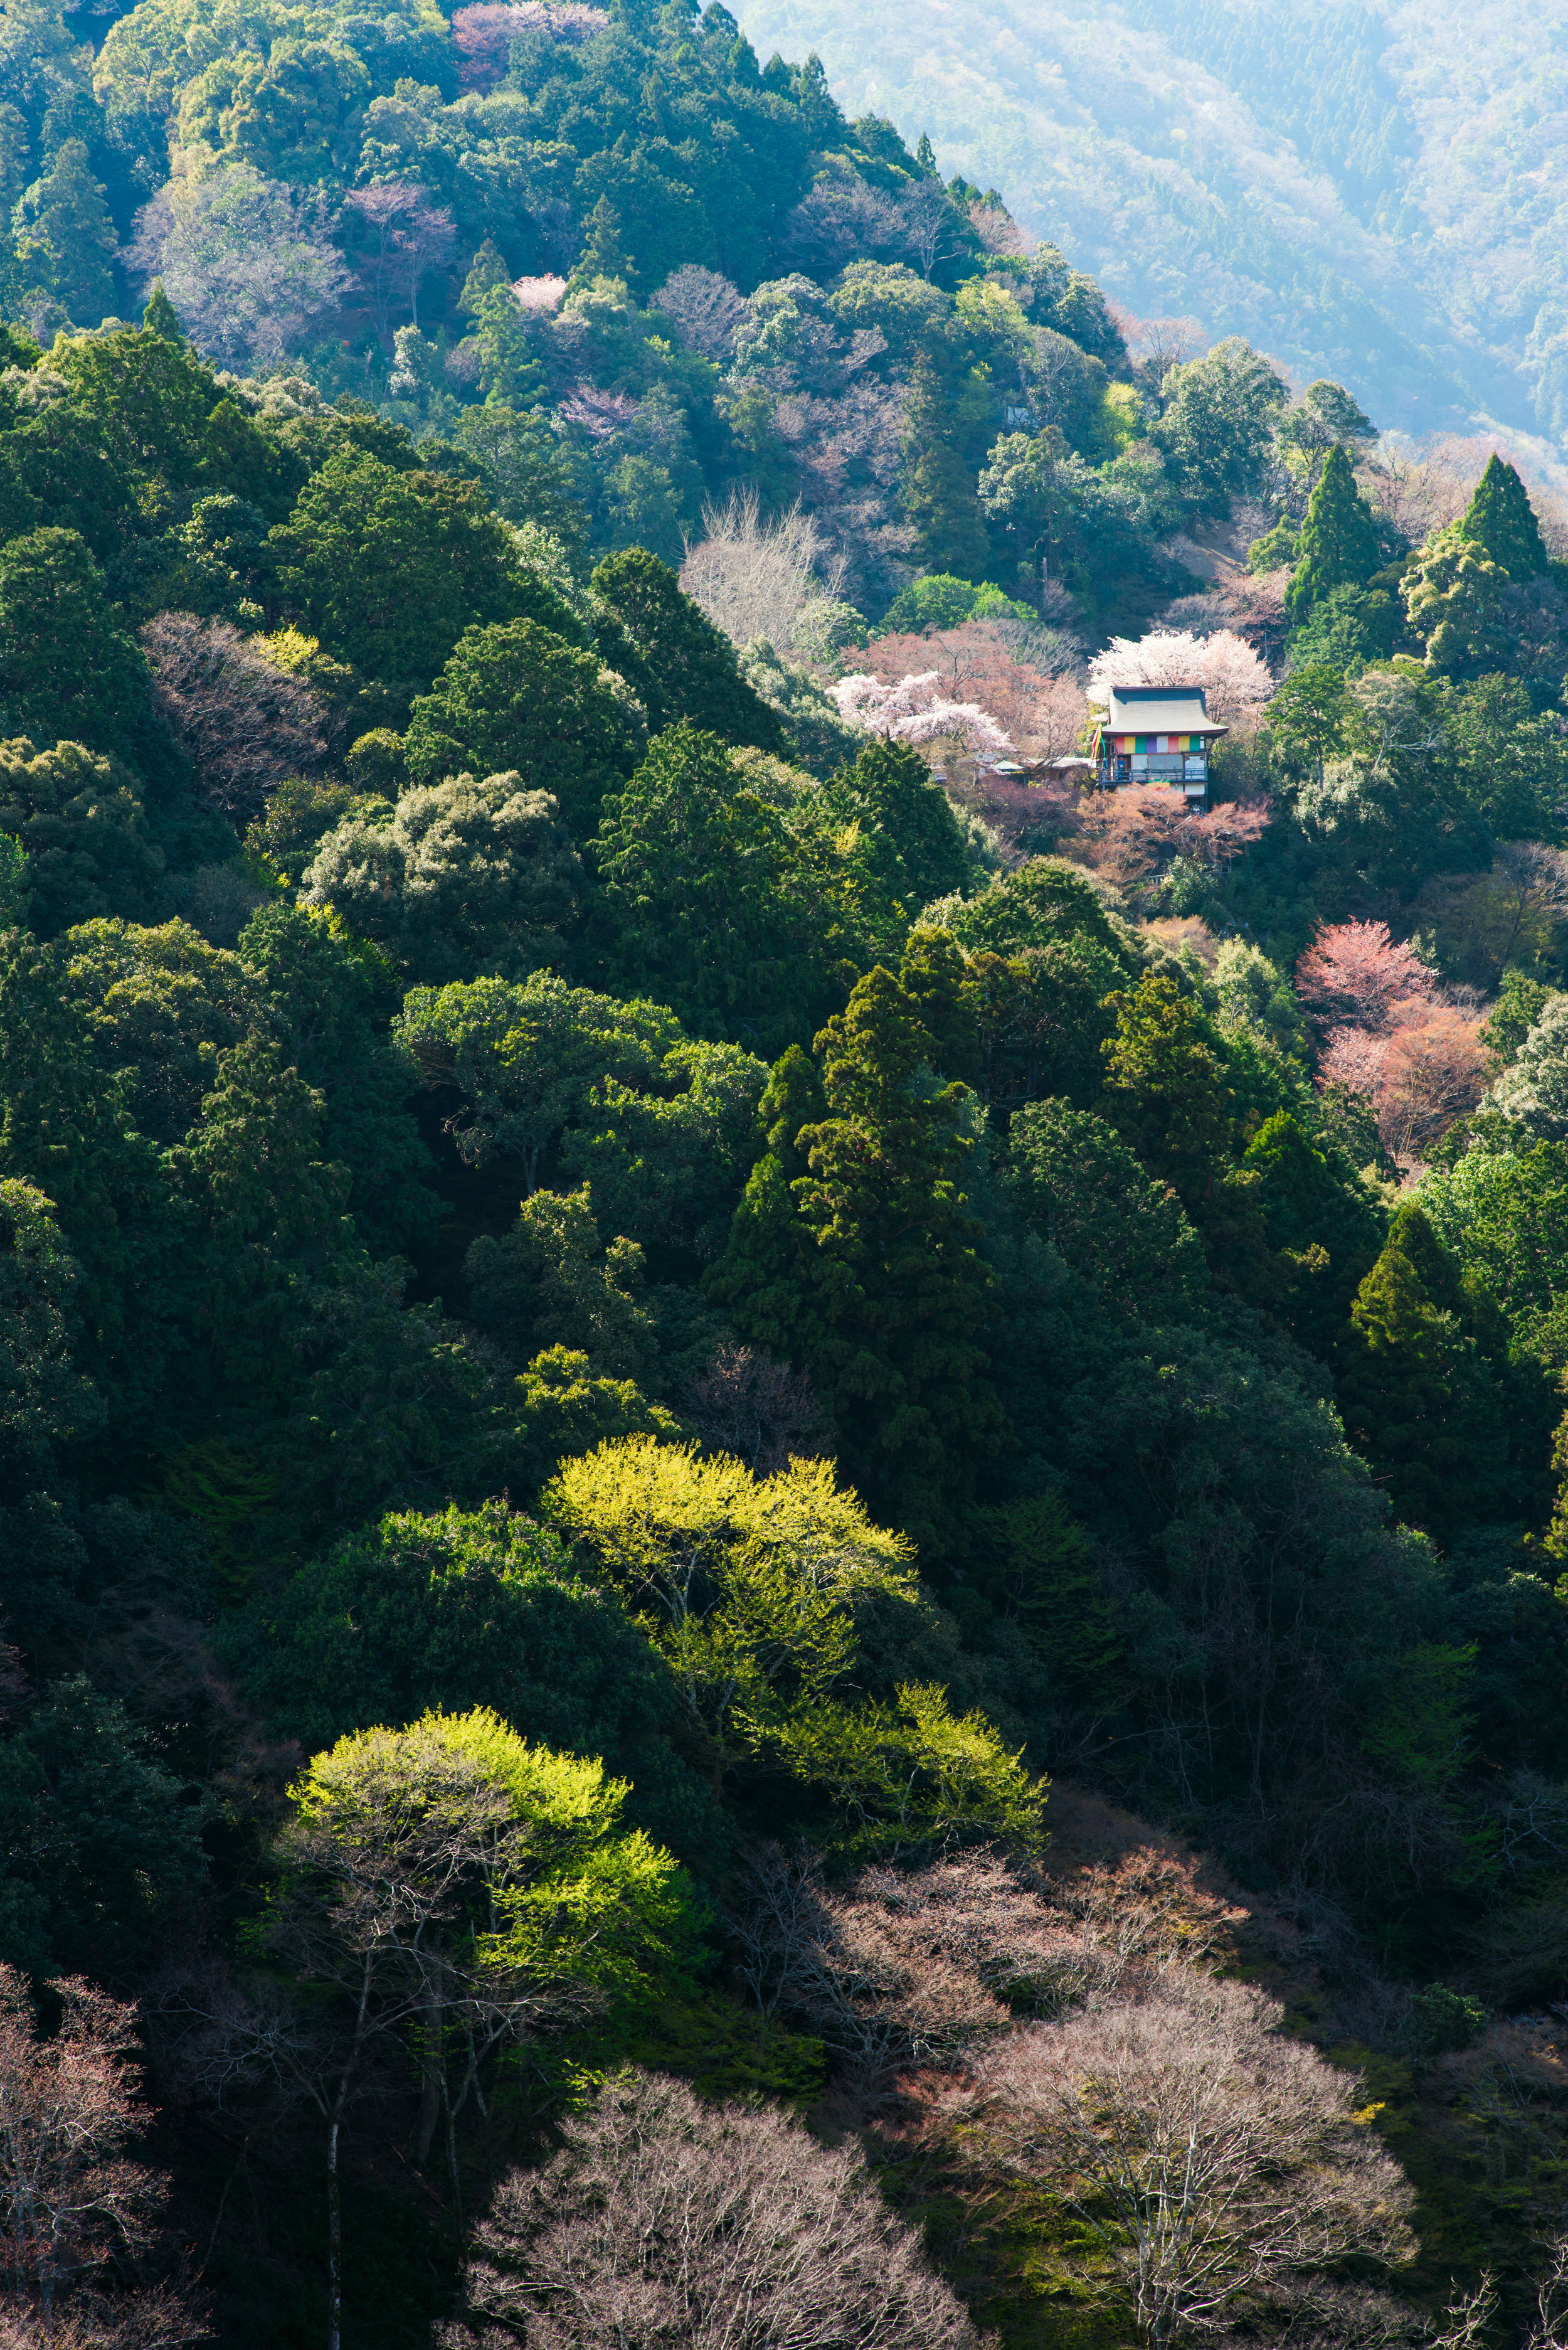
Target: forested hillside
x,y
782,1507
1370,193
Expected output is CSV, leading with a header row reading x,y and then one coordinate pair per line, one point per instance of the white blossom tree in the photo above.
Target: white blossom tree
x,y
1235,681
915,709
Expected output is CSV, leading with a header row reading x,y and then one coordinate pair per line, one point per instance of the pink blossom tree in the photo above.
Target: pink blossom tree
x,y
916,711
1355,974
401,234
483,35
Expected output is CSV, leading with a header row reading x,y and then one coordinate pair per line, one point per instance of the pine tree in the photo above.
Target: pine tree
x,y
161,316
1338,541
1500,521
487,271
936,489
603,254
926,154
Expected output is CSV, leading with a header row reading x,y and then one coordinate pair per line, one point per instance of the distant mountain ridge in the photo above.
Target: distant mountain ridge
x,y
1380,194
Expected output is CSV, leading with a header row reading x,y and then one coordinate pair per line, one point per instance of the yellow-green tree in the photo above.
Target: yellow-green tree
x,y
748,1587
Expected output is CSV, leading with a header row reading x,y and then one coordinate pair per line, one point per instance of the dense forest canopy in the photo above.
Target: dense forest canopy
x,y
763,1478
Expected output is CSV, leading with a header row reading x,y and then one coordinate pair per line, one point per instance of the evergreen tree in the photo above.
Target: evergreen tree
x,y
1419,1400
68,669
902,1290
66,242
1165,1090
519,697
1500,521
1338,542
161,316
603,254
487,272
671,653
766,1277
936,486
890,783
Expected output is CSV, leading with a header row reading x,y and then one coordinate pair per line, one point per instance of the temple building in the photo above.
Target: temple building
x,y
1156,734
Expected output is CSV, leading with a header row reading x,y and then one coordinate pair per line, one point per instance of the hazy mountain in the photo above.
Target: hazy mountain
x,y
1380,194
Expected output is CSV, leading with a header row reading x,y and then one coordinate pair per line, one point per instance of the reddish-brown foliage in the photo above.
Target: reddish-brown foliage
x,y
1420,1077
246,724
1131,834
68,2191
1354,973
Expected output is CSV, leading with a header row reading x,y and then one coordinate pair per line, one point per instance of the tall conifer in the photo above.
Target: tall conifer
x,y
1500,521
1338,541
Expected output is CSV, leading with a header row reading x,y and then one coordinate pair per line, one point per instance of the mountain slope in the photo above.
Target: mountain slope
x,y
1376,194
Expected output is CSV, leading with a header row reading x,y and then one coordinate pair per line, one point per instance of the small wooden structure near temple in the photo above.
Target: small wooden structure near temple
x,y
1156,734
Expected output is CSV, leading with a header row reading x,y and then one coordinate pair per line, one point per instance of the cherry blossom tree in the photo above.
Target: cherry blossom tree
x,y
916,711
1027,683
1235,681
1130,835
704,308
538,296
1423,1071
403,234
1355,974
249,265
483,35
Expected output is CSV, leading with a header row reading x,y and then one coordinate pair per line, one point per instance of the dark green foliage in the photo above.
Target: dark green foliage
x,y
1087,1195
674,657
1338,542
894,787
515,696
100,1847
717,913
1419,1397
389,567
1500,521
453,1610
81,823
67,668
897,1288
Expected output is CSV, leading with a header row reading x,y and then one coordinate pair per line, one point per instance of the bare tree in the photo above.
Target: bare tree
x,y
246,724
902,1964
248,264
933,225
842,217
765,1415
405,235
1213,2161
720,2228
704,308
162,2319
70,2193
756,578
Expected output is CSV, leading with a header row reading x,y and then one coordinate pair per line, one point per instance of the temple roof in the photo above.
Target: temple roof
x,y
1159,710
